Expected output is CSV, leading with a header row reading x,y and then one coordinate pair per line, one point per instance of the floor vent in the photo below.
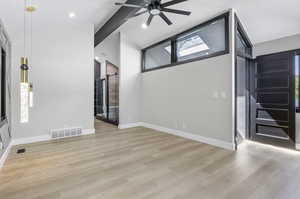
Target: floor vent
x,y
23,150
64,133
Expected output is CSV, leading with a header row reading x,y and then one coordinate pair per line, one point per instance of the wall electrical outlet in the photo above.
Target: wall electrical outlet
x,y
223,95
215,95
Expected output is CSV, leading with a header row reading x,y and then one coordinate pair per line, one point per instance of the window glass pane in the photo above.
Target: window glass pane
x,y
242,48
202,42
241,45
157,56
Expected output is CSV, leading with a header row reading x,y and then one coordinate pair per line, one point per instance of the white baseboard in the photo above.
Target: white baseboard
x,y
298,147
30,140
5,155
206,140
46,137
88,131
130,125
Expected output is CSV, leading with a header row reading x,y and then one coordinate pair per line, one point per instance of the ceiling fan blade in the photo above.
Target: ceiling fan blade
x,y
180,12
129,5
140,13
149,20
137,14
170,3
165,18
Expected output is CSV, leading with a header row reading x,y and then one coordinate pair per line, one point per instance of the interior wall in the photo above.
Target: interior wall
x,y
196,97
280,45
130,82
192,97
108,50
62,72
5,137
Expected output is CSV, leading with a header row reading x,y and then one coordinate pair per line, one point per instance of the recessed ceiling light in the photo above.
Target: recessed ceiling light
x,y
144,26
72,15
97,58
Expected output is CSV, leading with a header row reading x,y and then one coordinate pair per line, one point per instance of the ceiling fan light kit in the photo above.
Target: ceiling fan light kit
x,y
156,8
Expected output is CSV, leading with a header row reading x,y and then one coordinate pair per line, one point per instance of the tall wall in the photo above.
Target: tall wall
x,y
278,45
130,82
62,71
108,50
196,98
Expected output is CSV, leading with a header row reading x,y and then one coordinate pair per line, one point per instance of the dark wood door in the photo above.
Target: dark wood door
x,y
273,121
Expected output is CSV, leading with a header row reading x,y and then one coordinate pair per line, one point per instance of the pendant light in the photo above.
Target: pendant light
x,y
25,87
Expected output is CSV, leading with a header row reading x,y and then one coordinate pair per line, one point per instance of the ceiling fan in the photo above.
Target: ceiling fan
x,y
156,8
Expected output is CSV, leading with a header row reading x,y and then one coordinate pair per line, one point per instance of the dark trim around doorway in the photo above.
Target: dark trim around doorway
x,y
238,27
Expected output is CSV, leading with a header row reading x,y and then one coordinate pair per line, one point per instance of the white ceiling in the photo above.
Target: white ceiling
x,y
51,12
264,20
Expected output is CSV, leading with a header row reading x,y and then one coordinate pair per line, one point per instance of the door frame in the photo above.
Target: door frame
x,y
294,109
238,28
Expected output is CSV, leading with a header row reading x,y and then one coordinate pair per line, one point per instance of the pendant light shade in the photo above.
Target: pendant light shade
x,y
24,88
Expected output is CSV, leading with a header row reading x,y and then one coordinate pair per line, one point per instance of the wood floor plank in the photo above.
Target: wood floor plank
x,y
141,163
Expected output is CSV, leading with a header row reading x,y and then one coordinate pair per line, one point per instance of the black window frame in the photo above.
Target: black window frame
x,y
239,29
3,86
173,40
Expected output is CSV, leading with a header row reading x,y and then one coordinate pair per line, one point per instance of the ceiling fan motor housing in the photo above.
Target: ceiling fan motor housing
x,y
154,8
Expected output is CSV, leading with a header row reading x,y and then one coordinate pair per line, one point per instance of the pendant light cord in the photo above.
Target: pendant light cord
x,y
24,28
31,46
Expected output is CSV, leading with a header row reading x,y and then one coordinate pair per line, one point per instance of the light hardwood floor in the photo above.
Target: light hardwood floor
x,y
140,163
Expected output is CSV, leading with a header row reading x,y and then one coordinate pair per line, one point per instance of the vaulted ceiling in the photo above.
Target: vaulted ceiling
x,y
264,20
55,12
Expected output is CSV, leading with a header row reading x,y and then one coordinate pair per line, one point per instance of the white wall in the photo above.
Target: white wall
x,y
108,50
280,45
62,73
188,98
196,97
130,82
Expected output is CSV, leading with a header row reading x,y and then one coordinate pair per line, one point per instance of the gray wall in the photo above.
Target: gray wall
x,y
108,50
196,97
130,82
188,98
280,45
62,71
5,44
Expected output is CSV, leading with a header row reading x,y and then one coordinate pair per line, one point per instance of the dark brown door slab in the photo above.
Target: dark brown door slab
x,y
273,121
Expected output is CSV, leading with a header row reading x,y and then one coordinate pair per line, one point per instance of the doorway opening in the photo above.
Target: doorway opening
x,y
107,93
106,86
266,94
